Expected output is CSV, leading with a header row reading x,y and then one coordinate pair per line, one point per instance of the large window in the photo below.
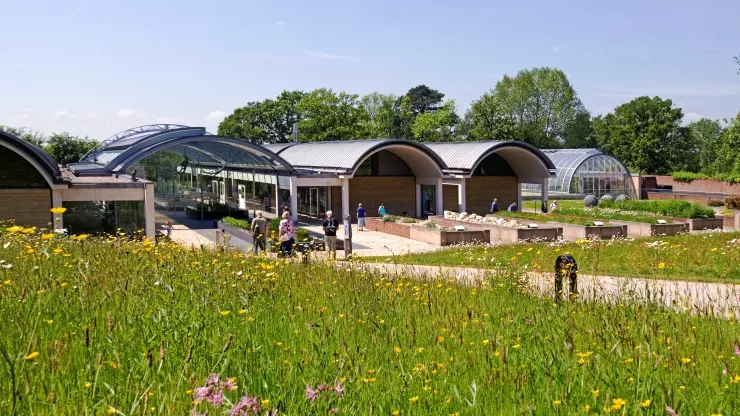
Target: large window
x,y
104,217
16,172
384,163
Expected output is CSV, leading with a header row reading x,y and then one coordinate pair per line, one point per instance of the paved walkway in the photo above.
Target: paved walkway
x,y
696,297
372,243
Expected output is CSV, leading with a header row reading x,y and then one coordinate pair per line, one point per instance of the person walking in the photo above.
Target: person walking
x,y
494,206
513,207
286,235
361,217
330,226
168,228
554,206
259,234
381,210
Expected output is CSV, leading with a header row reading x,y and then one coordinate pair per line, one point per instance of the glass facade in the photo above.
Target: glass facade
x,y
313,201
589,172
104,217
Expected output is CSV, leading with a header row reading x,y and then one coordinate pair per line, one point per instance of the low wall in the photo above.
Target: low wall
x,y
392,228
577,232
446,238
636,229
236,232
705,224
737,220
709,186
498,233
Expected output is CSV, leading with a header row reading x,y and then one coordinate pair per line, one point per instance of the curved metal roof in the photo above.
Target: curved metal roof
x,y
128,137
31,152
192,142
467,155
345,155
567,162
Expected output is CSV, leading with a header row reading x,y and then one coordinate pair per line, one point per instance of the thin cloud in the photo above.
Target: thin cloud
x,y
557,49
326,55
691,117
128,112
215,115
29,110
168,120
698,91
63,114
280,23
91,115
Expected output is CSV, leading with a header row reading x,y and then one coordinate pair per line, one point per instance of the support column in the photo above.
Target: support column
x,y
545,189
278,211
462,196
149,210
439,198
56,201
419,202
345,197
293,199
518,195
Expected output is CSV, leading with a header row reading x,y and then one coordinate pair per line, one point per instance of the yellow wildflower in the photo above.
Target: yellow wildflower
x,y
397,349
47,236
58,210
88,385
516,346
557,402
646,403
224,313
81,237
595,393
32,355
396,412
661,265
414,399
14,229
618,403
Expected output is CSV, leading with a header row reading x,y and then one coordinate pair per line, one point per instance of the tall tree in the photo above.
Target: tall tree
x,y
33,137
538,106
579,134
330,116
423,99
706,139
437,125
268,121
65,148
646,134
381,112
728,153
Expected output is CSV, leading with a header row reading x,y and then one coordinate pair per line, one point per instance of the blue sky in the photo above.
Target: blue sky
x,y
97,67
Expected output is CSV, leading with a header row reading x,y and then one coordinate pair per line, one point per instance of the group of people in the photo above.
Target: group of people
x,y
514,207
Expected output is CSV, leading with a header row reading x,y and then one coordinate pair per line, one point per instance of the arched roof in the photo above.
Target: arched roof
x,y
192,142
42,161
527,161
567,162
346,156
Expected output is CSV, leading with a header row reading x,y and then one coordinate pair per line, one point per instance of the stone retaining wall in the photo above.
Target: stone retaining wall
x,y
392,228
498,233
636,229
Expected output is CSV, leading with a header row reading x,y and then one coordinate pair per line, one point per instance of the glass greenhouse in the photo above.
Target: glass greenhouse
x,y
589,172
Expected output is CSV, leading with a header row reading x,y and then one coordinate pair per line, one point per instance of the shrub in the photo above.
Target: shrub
x,y
733,202
236,222
390,218
407,220
302,235
689,177
716,203
669,208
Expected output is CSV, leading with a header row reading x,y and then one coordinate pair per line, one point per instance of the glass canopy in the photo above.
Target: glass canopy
x,y
589,172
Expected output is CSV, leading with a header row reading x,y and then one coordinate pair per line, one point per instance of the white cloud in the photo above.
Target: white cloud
x,y
20,116
63,113
280,23
29,110
325,55
691,117
128,112
168,120
557,49
215,115
91,115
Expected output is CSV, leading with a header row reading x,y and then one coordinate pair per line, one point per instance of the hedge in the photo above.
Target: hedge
x,y
689,177
669,208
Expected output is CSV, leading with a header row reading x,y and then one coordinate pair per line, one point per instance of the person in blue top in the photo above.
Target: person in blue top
x,y
381,210
360,217
513,207
494,205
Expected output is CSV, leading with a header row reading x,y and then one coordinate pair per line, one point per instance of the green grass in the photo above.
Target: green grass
x,y
611,215
700,257
123,327
544,217
670,208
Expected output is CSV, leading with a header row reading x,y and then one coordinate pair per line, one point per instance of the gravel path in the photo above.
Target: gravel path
x,y
720,299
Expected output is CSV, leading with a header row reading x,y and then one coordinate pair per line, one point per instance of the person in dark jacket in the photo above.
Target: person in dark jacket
x,y
361,217
330,225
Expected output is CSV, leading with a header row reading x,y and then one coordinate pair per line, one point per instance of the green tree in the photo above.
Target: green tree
x,y
388,116
646,134
330,116
579,134
33,137
65,148
706,139
436,126
423,99
268,121
728,152
538,106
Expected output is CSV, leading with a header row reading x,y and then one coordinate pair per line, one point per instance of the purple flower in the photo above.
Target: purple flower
x,y
228,385
195,413
212,380
333,411
201,393
245,406
311,394
323,387
670,411
216,397
338,389
737,350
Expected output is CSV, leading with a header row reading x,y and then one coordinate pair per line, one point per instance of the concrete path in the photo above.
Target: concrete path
x,y
372,243
701,298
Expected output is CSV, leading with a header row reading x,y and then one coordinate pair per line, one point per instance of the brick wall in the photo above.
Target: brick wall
x,y
480,191
699,185
29,207
398,193
392,228
336,201
449,200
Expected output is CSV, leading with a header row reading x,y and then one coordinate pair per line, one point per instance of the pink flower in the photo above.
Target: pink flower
x,y
212,380
737,350
338,389
311,394
323,387
201,393
195,413
228,385
245,406
333,411
670,411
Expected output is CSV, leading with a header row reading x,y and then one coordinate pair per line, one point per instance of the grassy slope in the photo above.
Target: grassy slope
x,y
702,257
398,344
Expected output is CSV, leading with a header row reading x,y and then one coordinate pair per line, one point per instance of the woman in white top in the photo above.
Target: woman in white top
x,y
553,206
286,234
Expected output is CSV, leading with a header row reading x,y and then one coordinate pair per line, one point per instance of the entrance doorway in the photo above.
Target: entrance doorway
x,y
428,196
312,202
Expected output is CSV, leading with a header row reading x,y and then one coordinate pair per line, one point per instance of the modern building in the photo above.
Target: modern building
x,y
185,170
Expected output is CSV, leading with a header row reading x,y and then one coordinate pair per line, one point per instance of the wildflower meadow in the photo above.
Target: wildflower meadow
x,y
118,326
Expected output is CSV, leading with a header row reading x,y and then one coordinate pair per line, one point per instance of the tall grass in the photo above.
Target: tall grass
x,y
98,326
671,208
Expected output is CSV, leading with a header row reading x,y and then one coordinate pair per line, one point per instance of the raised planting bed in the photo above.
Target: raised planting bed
x,y
639,229
194,213
573,228
503,233
439,236
697,224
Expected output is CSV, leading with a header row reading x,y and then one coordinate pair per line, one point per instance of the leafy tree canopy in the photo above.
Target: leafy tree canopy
x,y
327,115
423,99
436,126
268,121
706,138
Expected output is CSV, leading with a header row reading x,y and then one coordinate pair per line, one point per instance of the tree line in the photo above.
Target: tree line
x,y
538,106
63,147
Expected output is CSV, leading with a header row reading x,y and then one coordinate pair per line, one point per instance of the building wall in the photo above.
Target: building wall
x,y
449,200
481,190
336,201
398,193
28,207
707,186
